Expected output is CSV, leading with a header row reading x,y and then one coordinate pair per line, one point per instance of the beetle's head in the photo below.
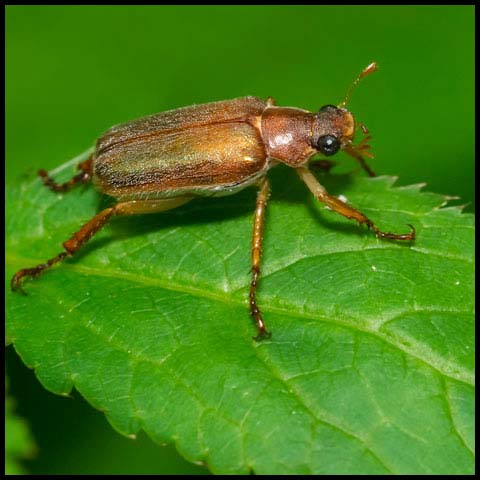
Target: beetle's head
x,y
333,127
333,130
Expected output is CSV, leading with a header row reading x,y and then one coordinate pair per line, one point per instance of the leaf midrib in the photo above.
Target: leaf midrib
x,y
449,370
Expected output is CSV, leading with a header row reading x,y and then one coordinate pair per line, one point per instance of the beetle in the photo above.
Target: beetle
x,y
165,160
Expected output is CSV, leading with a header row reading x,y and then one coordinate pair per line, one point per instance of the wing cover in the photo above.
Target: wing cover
x,y
164,155
187,117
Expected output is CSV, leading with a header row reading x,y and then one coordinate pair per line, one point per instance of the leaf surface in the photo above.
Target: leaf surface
x,y
370,366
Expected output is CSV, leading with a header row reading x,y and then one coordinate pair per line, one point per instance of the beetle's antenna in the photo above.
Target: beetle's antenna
x,y
366,71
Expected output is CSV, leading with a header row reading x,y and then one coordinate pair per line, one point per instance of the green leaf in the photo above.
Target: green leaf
x,y
370,366
19,443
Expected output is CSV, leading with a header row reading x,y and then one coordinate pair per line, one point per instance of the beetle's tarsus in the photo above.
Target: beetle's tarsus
x,y
15,283
84,176
392,236
263,333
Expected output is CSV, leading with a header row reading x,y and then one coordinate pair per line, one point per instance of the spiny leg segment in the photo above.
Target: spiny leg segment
x,y
258,222
347,211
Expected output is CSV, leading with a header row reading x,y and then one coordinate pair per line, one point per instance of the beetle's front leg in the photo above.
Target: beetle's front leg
x,y
346,210
354,154
258,223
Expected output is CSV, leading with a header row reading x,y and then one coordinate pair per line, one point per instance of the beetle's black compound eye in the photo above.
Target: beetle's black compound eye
x,y
328,145
328,107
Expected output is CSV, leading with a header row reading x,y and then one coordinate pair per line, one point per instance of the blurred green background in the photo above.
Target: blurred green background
x,y
73,71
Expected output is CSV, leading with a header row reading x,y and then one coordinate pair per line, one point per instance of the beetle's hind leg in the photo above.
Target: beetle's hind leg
x,y
85,175
79,238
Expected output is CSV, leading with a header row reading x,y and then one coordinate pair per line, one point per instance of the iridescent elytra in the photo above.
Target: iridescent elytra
x,y
162,161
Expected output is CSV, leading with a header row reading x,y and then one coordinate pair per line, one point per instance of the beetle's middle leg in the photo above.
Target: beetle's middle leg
x,y
85,175
258,223
79,238
342,208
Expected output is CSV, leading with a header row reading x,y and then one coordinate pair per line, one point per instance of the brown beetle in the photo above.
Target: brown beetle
x,y
162,161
